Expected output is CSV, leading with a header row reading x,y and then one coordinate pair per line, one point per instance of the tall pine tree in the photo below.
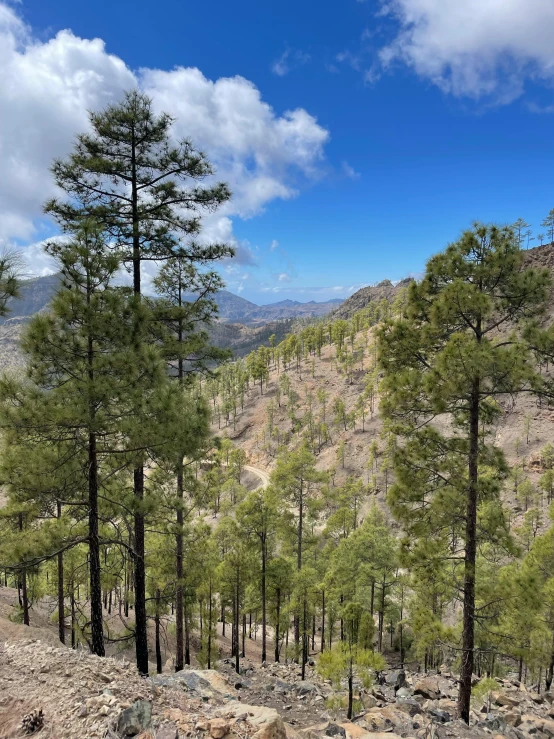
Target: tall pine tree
x,y
458,349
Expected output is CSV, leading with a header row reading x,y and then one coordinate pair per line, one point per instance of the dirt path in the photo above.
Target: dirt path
x,y
264,476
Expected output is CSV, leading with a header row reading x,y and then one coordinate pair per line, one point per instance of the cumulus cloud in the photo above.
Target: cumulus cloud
x,y
474,48
47,87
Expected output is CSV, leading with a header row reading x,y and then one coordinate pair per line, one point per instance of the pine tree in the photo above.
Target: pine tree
x,y
146,192
11,269
448,358
257,516
79,354
183,312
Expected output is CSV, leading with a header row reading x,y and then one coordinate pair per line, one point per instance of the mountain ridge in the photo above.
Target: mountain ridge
x,y
38,291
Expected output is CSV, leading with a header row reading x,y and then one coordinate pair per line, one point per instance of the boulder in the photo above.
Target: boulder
x,y
204,683
306,688
135,719
429,688
442,717
408,705
218,728
548,728
404,693
369,701
386,719
503,699
266,721
335,730
167,731
353,731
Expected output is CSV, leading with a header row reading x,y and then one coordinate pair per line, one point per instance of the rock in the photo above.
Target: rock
x,y
353,731
503,699
548,728
306,688
400,681
443,717
369,701
386,718
266,721
167,731
335,730
218,728
428,688
404,693
205,683
512,719
408,705
135,719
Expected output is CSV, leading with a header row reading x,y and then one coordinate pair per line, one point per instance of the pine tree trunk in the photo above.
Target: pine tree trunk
x,y
187,629
299,557
72,615
237,661
179,652
158,644
61,600
322,621
24,598
264,605
550,671
96,621
243,653
277,624
210,617
350,693
468,632
141,637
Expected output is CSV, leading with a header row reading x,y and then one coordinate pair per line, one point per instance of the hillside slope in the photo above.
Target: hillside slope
x,y
524,429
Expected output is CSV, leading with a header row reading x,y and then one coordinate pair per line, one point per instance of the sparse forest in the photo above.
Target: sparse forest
x,y
343,498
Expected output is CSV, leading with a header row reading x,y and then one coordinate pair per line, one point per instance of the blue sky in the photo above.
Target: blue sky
x,y
417,117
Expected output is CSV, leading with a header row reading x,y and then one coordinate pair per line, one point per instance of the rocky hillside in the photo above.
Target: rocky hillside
x,y
362,298
54,692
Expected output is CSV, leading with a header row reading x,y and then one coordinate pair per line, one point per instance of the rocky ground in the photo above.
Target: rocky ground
x,y
54,692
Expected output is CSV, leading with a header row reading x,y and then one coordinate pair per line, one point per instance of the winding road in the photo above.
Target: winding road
x,y
264,477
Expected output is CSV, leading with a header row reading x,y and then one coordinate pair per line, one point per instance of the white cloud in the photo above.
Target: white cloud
x,y
47,87
474,48
289,60
333,291
349,171
347,57
274,245
284,277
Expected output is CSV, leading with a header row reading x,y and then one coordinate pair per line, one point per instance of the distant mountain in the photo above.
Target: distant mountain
x,y
35,296
242,325
367,295
37,293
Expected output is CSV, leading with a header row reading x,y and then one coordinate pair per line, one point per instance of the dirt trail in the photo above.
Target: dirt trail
x,y
264,476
